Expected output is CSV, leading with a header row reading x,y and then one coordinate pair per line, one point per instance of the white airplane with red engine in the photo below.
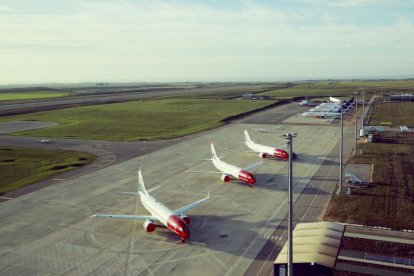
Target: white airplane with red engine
x,y
229,171
263,150
175,220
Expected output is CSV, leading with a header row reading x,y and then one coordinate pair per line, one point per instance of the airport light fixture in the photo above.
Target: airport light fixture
x,y
363,110
341,149
356,121
289,137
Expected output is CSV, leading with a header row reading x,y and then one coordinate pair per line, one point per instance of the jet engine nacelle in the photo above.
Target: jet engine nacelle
x,y
225,178
186,219
262,155
149,226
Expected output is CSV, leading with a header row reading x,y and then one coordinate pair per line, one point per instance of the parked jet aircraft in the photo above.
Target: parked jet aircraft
x,y
229,171
175,220
263,150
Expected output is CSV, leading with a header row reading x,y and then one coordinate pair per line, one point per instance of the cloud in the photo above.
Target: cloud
x,y
124,39
5,9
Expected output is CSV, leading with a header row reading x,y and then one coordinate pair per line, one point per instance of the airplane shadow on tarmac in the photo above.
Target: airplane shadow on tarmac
x,y
229,233
279,182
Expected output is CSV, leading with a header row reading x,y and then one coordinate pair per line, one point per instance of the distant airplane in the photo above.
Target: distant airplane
x,y
334,100
229,171
303,103
175,220
321,114
405,129
263,150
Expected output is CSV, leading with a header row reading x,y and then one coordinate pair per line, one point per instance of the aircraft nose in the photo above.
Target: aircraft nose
x,y
185,234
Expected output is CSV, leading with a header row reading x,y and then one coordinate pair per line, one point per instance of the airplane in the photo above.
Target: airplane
x,y
175,220
229,171
303,103
263,150
405,129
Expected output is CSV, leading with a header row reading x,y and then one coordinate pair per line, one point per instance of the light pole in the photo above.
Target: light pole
x,y
356,121
341,149
289,138
363,110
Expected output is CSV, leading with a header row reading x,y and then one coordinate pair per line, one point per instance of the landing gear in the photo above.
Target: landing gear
x,y
182,240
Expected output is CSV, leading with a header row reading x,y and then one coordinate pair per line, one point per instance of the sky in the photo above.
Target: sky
x,y
188,40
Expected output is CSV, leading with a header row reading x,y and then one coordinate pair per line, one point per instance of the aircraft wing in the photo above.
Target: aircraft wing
x,y
252,166
205,172
192,205
132,217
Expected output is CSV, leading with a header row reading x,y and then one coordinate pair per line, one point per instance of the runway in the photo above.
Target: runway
x,y
50,231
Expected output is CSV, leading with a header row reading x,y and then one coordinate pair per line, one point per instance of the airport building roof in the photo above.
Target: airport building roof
x,y
316,242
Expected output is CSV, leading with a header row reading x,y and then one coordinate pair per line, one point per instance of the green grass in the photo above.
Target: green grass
x,y
337,89
24,166
138,120
398,113
390,200
30,95
319,89
383,83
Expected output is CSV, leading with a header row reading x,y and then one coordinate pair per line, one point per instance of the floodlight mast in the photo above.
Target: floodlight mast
x,y
356,121
363,110
341,149
289,138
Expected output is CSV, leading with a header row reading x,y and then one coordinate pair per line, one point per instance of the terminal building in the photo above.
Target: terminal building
x,y
330,248
402,97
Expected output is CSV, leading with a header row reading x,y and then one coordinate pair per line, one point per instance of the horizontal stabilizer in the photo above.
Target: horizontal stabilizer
x,y
205,172
191,205
252,166
132,217
153,189
203,159
128,193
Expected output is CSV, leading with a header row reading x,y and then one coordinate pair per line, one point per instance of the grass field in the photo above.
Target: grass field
x,y
23,166
319,89
30,96
383,83
138,120
390,200
394,112
338,89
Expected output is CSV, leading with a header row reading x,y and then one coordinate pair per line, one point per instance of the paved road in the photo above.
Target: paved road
x,y
309,207
229,234
50,231
108,152
120,96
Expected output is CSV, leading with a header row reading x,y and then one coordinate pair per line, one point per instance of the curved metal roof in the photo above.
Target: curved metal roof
x,y
316,242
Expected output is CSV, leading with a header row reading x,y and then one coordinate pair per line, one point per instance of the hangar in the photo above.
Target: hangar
x,y
315,249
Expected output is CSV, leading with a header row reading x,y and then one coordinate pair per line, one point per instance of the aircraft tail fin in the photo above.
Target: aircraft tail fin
x,y
213,151
247,137
141,185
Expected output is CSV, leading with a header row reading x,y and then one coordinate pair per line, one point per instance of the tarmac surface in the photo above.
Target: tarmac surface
x,y
15,126
50,231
